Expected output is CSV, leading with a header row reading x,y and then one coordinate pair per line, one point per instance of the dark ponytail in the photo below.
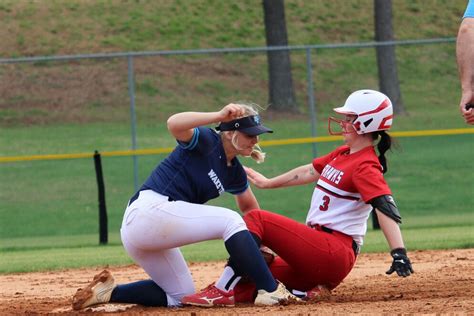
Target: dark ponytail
x,y
383,145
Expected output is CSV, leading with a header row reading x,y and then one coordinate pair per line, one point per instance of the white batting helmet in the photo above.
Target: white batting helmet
x,y
373,109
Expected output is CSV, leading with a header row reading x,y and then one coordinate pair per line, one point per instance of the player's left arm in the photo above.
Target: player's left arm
x,y
246,201
401,263
369,181
391,230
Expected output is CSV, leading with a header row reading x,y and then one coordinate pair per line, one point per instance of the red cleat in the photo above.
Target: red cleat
x,y
318,293
209,297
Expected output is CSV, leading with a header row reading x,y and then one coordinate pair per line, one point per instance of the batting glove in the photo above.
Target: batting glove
x,y
401,264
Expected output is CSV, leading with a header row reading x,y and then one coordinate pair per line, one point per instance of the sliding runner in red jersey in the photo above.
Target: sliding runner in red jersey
x,y
320,253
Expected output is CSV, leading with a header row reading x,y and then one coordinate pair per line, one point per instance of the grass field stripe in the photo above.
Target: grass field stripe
x,y
277,142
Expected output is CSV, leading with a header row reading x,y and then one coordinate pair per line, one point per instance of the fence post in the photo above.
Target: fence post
x,y
133,118
309,73
103,230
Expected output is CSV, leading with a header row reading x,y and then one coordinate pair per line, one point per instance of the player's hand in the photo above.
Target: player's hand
x,y
231,112
469,113
256,178
401,264
466,106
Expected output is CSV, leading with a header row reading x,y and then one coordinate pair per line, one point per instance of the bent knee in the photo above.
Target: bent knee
x,y
254,214
234,225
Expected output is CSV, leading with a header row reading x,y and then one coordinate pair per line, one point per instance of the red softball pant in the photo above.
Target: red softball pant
x,y
306,256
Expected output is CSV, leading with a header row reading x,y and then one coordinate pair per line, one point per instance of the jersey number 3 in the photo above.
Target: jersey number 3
x,y
325,205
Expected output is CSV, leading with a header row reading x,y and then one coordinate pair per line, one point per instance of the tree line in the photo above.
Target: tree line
x,y
281,94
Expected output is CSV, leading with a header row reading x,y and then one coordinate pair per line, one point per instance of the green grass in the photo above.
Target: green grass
x,y
85,253
49,216
48,213
158,25
56,257
62,195
424,238
67,92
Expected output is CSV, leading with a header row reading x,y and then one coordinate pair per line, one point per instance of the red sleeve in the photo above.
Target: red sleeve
x,y
320,162
369,181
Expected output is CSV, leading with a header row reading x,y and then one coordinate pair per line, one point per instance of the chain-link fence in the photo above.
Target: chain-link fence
x,y
110,102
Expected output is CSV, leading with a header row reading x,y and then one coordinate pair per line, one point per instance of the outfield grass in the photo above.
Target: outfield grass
x,y
86,252
60,197
48,213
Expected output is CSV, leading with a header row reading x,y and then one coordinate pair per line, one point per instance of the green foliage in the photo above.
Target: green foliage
x,y
147,87
428,73
167,25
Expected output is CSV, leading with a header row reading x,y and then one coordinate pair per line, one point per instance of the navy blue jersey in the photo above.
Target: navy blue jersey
x,y
197,171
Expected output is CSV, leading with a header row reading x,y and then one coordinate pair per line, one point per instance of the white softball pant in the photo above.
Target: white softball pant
x,y
153,228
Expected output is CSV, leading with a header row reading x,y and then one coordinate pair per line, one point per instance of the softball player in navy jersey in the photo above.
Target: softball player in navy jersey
x,y
169,212
319,254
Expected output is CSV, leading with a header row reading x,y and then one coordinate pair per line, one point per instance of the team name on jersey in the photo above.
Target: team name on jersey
x,y
332,174
215,179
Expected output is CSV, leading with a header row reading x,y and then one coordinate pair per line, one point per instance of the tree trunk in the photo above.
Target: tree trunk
x,y
281,92
386,58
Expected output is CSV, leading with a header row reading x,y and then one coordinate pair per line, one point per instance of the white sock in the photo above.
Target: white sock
x,y
228,280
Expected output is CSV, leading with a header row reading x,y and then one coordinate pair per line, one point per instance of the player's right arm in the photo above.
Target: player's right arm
x,y
465,60
300,175
181,125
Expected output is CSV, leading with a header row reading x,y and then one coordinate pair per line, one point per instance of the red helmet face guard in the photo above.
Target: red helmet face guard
x,y
340,127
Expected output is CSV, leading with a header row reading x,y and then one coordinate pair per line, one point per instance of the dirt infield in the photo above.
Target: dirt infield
x,y
443,283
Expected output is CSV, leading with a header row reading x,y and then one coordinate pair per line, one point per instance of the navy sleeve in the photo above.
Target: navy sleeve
x,y
239,183
204,140
192,143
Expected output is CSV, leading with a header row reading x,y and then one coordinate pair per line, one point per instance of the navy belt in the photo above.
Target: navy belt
x,y
135,196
